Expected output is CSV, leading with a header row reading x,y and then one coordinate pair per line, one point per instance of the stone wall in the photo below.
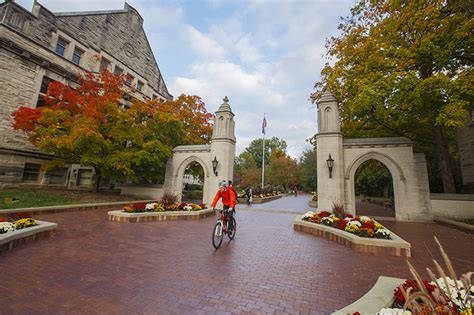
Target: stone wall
x,y
455,206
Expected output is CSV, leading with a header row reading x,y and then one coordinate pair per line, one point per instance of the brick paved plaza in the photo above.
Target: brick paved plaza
x,y
94,266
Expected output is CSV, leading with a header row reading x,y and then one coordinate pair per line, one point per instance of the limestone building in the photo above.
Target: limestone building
x,y
39,47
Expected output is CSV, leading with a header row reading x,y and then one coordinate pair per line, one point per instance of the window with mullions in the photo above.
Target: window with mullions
x,y
139,85
129,79
43,91
31,172
77,55
118,70
104,64
61,46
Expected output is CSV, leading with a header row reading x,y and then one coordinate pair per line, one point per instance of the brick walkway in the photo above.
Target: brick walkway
x,y
95,266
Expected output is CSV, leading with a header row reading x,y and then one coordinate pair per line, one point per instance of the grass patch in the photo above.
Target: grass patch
x,y
30,199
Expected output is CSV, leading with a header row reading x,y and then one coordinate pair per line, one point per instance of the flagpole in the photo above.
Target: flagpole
x,y
263,154
263,161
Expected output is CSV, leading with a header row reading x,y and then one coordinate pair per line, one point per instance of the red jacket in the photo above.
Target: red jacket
x,y
228,198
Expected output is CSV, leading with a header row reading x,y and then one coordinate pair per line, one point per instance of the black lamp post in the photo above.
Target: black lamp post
x,y
330,163
214,165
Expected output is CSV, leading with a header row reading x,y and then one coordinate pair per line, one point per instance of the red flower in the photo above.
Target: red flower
x,y
182,205
339,224
21,215
368,225
3,220
202,205
139,206
400,299
324,214
348,215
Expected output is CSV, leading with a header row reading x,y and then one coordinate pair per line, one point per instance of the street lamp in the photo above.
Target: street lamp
x,y
214,165
330,163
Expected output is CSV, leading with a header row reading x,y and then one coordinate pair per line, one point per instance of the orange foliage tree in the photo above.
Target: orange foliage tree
x,y
191,111
89,126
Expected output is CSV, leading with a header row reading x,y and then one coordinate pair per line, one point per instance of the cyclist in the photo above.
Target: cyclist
x,y
228,200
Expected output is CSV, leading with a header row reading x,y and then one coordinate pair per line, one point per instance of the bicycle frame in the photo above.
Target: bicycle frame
x,y
223,219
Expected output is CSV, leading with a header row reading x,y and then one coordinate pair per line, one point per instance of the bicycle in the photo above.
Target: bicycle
x,y
220,228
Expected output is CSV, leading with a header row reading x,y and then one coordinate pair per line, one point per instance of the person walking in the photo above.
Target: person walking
x,y
232,189
248,194
228,200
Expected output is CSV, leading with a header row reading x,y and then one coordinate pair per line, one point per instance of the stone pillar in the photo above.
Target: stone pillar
x,y
329,141
222,147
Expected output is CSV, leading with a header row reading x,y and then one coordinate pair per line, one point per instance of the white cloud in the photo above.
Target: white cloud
x,y
203,45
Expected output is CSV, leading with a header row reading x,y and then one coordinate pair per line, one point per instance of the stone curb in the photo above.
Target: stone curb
x,y
468,228
70,208
378,297
396,246
120,216
13,239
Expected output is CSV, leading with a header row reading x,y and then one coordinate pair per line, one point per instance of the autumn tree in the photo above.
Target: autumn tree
x,y
89,126
251,174
282,170
192,112
404,68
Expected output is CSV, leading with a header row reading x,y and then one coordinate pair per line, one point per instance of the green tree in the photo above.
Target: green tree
x,y
404,68
308,170
255,149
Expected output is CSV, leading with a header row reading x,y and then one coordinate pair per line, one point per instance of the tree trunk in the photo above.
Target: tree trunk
x,y
98,177
443,158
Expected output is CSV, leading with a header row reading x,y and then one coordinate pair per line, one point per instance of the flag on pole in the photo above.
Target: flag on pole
x,y
264,124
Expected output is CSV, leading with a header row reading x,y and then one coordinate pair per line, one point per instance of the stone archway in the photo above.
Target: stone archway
x,y
408,169
180,173
395,170
221,148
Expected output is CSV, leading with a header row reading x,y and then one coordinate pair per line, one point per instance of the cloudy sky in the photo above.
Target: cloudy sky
x,y
265,55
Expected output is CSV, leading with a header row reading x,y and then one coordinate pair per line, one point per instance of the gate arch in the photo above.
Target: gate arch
x,y
395,171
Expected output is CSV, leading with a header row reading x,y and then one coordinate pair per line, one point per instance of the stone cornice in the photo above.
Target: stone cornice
x,y
378,142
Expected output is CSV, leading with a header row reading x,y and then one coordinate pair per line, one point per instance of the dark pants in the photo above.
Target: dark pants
x,y
229,215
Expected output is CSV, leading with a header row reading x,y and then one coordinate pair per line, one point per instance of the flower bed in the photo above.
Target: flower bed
x,y
362,226
360,239
21,228
442,295
161,207
160,212
16,222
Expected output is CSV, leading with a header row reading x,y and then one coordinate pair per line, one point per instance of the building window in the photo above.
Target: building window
x,y
139,85
43,91
61,46
31,172
118,70
85,177
154,97
76,56
104,64
57,176
129,79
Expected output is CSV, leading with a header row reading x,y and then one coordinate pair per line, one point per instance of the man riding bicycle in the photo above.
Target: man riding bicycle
x,y
228,200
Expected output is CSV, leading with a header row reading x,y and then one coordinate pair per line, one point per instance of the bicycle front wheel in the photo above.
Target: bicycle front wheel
x,y
217,235
234,229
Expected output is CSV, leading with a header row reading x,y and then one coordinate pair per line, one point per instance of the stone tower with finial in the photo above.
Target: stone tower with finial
x,y
223,144
329,150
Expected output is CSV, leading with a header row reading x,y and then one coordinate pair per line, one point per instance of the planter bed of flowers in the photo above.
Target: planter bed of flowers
x,y
362,234
20,228
144,212
444,294
362,226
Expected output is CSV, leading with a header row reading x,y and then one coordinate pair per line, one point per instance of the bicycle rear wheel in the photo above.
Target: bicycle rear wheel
x,y
234,229
217,235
